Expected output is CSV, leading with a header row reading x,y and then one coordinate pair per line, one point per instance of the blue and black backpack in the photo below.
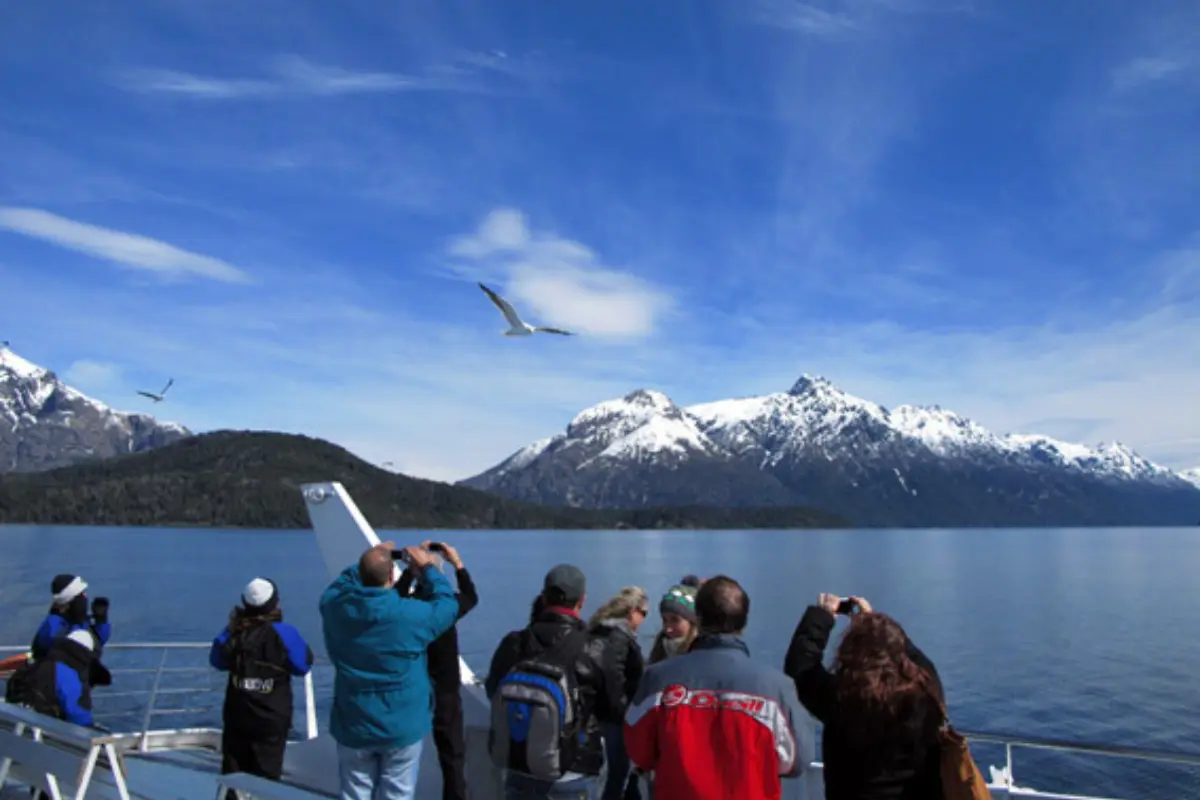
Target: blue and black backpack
x,y
537,710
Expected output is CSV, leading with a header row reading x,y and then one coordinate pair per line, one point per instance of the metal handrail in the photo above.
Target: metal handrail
x,y
1003,780
156,689
1066,745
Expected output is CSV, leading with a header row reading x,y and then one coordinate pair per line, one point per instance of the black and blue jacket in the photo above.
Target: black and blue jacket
x,y
58,624
57,684
261,661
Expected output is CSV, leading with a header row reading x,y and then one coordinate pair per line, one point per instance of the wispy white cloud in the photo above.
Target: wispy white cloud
x,y
443,396
294,76
805,18
563,282
838,19
389,383
124,249
93,376
1148,70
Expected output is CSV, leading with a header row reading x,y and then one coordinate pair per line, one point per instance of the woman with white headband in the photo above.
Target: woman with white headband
x,y
69,612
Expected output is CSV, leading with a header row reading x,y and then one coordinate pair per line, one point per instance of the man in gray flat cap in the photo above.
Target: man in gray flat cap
x,y
548,693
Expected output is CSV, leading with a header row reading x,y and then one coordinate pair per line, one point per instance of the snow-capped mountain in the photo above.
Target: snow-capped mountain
x,y
1192,475
46,424
820,446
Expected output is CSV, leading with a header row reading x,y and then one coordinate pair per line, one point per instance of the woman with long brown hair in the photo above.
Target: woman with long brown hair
x,y
261,653
879,704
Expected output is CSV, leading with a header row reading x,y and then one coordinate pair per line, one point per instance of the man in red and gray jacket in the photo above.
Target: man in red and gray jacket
x,y
711,723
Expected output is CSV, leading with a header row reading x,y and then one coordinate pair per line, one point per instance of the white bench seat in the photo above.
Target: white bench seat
x,y
56,756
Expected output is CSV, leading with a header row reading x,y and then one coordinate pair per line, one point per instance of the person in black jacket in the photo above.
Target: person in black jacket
x,y
879,705
446,676
564,591
261,653
614,644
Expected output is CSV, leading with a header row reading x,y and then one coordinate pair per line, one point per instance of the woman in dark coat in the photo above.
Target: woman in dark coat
x,y
879,705
614,644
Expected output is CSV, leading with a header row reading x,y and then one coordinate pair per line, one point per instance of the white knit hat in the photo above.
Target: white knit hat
x,y
260,594
83,637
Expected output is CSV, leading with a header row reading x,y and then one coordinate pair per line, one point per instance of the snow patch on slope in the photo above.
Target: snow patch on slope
x,y
817,419
657,435
943,432
1192,476
1106,458
33,399
813,413
527,454
640,424
18,367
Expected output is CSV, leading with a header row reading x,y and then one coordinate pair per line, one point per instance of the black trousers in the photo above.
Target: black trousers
x,y
260,755
451,747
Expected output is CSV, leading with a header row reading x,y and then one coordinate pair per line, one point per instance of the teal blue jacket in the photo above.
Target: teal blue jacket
x,y
376,640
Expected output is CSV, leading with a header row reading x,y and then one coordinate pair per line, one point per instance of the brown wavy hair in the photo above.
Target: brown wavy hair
x,y
240,620
883,696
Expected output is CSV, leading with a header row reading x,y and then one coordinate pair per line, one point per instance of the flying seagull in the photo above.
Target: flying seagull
x,y
517,326
158,398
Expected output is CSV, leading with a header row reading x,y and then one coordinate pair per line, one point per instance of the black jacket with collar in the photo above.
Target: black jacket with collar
x,y
442,653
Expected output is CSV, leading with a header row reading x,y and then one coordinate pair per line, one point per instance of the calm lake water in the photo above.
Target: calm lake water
x,y
1079,634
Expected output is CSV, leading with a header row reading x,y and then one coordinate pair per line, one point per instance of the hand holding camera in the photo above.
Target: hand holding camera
x,y
100,610
415,557
446,551
845,606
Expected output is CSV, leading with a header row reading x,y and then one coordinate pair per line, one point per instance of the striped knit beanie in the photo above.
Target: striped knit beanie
x,y
680,600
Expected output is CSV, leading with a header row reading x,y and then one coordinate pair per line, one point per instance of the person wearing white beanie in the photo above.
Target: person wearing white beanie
x,y
57,684
261,653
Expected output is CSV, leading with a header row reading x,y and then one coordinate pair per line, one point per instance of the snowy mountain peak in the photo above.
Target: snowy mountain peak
x,y
941,431
816,419
623,415
1192,476
807,384
650,398
642,422
1112,459
13,366
46,424
818,445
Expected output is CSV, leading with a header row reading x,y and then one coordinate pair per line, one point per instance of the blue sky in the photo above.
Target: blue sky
x,y
284,205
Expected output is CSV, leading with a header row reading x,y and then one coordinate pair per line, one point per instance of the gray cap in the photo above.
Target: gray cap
x,y
565,583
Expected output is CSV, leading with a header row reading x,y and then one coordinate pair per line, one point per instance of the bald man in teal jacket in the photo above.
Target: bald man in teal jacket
x,y
382,697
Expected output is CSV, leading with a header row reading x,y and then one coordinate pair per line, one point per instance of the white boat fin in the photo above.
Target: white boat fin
x,y
343,533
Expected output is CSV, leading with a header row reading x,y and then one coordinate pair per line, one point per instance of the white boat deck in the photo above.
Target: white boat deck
x,y
164,712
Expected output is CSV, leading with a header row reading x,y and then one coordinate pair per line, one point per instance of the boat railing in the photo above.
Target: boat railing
x,y
166,696
170,687
1004,778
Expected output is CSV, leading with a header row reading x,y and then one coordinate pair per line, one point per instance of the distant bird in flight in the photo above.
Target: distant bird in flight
x,y
158,398
518,327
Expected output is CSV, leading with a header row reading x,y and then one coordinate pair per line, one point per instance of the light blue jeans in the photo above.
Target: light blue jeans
x,y
525,787
379,773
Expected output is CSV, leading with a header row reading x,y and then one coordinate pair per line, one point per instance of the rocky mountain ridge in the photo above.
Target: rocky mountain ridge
x,y
44,423
818,445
